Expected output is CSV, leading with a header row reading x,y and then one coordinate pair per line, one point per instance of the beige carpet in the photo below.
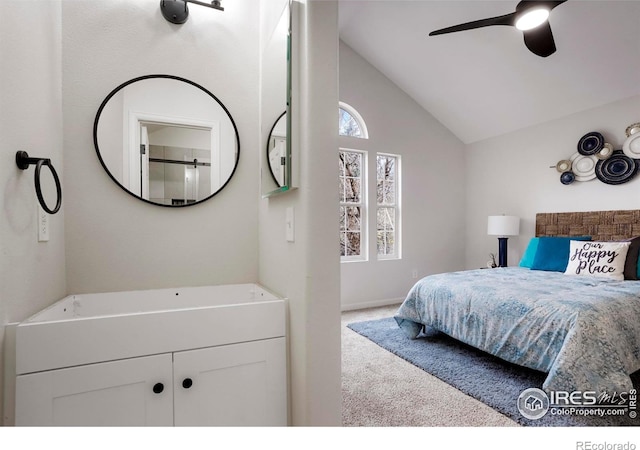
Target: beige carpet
x,y
380,389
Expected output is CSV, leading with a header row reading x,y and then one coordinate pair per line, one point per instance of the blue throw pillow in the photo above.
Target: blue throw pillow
x,y
631,264
553,252
530,253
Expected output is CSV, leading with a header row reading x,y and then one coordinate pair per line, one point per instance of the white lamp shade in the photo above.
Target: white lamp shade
x,y
503,226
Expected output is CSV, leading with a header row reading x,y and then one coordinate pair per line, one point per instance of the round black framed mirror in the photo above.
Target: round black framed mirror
x,y
166,140
277,149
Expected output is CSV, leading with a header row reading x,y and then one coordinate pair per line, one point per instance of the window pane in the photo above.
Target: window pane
x,y
386,167
353,244
388,202
386,231
386,193
353,219
386,176
348,126
352,163
389,193
386,219
380,167
352,209
352,190
380,222
350,179
391,244
390,168
386,243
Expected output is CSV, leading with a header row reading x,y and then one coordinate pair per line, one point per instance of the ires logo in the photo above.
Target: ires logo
x,y
587,398
535,403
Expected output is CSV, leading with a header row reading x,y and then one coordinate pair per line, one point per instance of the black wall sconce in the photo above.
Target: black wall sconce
x,y
23,162
177,11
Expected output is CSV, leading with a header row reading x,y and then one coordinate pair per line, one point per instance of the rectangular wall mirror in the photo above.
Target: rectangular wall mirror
x,y
275,163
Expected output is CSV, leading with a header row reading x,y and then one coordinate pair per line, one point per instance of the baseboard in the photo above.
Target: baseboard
x,y
372,304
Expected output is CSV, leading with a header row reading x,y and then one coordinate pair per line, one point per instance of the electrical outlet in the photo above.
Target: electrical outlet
x,y
43,225
414,273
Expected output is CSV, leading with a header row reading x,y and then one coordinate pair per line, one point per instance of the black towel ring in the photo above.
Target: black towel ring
x,y
24,161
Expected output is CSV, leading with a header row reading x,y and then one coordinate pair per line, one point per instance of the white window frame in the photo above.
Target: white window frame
x,y
364,210
396,206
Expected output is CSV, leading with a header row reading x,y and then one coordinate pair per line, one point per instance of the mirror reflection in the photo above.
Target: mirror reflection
x,y
276,167
277,150
166,140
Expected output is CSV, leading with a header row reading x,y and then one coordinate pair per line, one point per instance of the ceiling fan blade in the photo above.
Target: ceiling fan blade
x,y
553,4
532,4
507,19
540,40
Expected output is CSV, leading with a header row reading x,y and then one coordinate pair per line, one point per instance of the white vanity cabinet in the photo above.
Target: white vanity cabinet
x,y
209,356
231,385
240,384
115,393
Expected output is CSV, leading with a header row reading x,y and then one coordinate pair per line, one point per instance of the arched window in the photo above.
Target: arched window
x,y
355,240
350,122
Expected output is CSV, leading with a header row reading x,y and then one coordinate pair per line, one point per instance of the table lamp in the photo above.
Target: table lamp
x,y
503,226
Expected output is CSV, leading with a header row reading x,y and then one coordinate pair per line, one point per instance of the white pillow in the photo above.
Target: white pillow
x,y
597,259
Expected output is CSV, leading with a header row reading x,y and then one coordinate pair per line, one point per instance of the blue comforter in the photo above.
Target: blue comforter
x,y
583,331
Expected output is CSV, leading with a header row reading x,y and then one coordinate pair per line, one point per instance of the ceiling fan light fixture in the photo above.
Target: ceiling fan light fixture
x,y
532,19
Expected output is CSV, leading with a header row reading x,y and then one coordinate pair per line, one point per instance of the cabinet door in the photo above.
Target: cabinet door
x,y
130,392
231,385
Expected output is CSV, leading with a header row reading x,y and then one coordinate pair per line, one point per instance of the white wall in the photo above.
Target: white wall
x,y
32,274
511,174
83,50
114,241
433,186
307,270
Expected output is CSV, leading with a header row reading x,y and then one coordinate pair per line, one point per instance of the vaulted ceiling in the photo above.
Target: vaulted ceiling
x,y
484,82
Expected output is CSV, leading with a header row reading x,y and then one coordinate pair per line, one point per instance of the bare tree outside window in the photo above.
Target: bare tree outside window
x,y
353,187
352,207
348,126
387,213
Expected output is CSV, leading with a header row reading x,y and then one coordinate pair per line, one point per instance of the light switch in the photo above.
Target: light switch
x,y
289,224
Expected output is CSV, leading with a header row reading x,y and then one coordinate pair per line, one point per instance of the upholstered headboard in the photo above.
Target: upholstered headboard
x,y
600,225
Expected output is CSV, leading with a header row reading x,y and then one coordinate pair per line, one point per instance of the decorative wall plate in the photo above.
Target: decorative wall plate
x,y
563,165
617,169
584,167
567,178
590,143
631,146
633,128
605,152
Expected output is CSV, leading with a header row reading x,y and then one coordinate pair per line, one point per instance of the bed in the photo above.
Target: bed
x,y
583,330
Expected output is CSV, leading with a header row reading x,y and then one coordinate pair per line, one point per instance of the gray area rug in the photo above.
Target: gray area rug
x,y
480,375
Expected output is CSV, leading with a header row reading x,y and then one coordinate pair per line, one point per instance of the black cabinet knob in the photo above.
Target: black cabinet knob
x,y
158,388
187,383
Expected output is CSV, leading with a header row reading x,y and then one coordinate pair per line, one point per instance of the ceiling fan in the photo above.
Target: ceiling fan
x,y
530,17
